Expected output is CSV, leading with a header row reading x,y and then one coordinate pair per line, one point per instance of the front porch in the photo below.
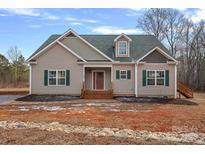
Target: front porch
x,y
97,82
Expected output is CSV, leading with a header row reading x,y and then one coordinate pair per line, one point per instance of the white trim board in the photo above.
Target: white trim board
x,y
30,79
159,50
129,39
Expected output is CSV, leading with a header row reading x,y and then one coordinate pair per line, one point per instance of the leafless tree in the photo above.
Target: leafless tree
x,y
153,22
174,25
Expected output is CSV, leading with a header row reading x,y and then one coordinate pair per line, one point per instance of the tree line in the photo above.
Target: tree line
x,y
184,38
14,71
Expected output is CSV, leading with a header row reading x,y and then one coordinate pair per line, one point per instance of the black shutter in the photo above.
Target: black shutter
x,y
67,77
167,77
45,77
144,77
128,74
117,74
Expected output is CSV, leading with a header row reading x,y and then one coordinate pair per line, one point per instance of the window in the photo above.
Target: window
x,y
150,77
56,77
155,77
123,74
122,48
52,77
160,77
61,77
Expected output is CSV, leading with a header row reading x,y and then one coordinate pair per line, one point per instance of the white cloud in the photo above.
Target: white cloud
x,y
2,15
89,20
71,19
133,11
26,12
198,16
81,20
34,26
76,23
31,13
115,30
49,16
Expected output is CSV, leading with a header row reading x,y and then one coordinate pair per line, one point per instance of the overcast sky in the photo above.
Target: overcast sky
x,y
29,28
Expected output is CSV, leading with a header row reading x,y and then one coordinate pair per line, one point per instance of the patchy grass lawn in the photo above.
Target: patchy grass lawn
x,y
102,114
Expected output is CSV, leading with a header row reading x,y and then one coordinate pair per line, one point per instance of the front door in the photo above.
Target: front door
x,y
98,80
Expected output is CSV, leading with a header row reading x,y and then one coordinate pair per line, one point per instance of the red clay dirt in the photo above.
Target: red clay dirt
x,y
150,117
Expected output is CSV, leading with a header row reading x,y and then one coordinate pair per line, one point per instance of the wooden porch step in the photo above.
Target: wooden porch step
x,y
184,90
93,94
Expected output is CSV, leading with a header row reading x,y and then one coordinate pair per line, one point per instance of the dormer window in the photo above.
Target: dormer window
x,y
122,48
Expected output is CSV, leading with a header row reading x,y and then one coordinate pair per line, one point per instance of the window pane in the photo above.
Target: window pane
x,y
61,81
61,74
122,48
123,74
52,81
52,74
151,74
160,81
160,74
150,81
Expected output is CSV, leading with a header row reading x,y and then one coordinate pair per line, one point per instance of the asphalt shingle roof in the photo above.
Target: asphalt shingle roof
x,y
140,45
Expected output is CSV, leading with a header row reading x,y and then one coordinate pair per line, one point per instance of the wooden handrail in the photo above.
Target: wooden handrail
x,y
185,90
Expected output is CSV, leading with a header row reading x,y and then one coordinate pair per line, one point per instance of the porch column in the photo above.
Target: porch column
x,y
136,78
111,74
175,78
83,73
30,78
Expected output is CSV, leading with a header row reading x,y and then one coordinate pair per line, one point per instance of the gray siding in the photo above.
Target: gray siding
x,y
155,57
156,90
126,87
57,58
82,49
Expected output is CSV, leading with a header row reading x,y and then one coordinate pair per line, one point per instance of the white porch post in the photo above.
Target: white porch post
x,y
83,73
30,77
136,88
175,78
111,73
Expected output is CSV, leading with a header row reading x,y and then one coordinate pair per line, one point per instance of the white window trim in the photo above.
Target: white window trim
x,y
120,74
127,49
57,77
95,79
155,78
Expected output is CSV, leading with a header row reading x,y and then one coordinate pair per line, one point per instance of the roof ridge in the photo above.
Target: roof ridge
x,y
108,34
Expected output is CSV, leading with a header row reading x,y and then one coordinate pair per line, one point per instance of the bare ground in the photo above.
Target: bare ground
x,y
101,113
36,136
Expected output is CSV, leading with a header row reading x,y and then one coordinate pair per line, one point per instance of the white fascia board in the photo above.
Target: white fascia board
x,y
97,65
71,51
159,50
129,39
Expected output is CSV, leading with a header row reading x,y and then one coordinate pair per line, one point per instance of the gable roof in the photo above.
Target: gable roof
x,y
140,45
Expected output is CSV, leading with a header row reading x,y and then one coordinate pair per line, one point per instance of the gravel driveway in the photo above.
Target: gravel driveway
x,y
8,98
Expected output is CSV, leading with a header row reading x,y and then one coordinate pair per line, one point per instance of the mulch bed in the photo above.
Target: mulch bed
x,y
47,98
156,100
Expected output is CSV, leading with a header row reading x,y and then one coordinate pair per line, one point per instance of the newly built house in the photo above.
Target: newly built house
x,y
95,66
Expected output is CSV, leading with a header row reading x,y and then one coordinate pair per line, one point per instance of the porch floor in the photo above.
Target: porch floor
x,y
97,94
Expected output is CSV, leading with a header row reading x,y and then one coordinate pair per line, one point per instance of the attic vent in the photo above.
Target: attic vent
x,y
70,35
